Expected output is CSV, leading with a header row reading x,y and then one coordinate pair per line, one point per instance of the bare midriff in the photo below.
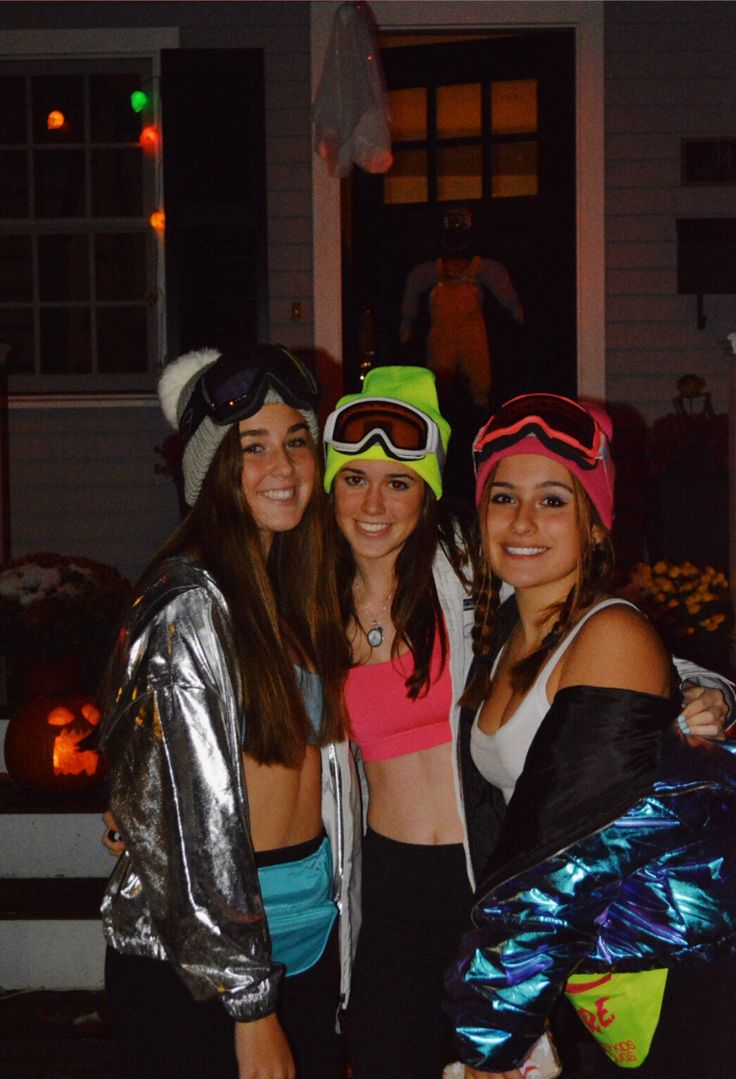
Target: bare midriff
x,y
412,797
284,803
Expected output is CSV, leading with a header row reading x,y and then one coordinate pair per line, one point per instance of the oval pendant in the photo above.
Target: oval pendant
x,y
375,636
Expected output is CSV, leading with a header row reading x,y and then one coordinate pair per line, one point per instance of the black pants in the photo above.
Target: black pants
x,y
416,903
694,1035
161,1032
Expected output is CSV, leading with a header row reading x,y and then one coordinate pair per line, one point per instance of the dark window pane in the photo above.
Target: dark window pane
x,y
709,161
16,282
120,266
406,180
121,339
13,109
117,189
63,263
515,169
16,330
58,93
459,173
59,183
13,184
65,340
111,117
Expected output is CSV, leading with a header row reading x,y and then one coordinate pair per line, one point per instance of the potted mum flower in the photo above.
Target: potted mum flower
x,y
59,610
690,607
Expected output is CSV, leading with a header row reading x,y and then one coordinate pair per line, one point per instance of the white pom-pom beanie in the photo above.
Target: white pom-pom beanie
x,y
200,445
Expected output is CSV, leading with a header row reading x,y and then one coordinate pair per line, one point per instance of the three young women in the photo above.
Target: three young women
x,y
613,876
224,734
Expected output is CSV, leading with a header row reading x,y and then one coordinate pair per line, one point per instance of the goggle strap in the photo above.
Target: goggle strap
x,y
507,436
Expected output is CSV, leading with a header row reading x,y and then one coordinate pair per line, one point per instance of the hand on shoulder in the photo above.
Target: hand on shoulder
x,y
617,648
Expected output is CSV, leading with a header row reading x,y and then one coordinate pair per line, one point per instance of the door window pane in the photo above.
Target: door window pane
x,y
121,339
65,340
514,107
63,264
408,113
16,282
407,179
459,173
14,183
59,183
458,110
515,169
120,265
117,187
13,111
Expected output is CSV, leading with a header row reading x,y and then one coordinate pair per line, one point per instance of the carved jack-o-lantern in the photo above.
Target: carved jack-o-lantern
x,y
42,745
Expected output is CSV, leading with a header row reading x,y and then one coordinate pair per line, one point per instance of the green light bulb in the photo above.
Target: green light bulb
x,y
138,100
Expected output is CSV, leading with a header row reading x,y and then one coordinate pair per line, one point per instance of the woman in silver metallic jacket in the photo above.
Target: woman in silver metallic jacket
x,y
612,878
229,774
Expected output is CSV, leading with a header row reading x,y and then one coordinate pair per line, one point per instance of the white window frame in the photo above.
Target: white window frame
x,y
99,44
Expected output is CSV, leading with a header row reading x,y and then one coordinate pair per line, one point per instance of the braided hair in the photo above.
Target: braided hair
x,y
594,573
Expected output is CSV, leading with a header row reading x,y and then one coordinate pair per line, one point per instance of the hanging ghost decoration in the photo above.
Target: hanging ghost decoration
x,y
350,112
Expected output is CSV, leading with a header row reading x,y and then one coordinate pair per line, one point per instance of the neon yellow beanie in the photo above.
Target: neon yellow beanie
x,y
407,385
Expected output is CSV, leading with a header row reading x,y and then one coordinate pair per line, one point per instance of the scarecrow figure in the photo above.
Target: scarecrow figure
x,y
457,344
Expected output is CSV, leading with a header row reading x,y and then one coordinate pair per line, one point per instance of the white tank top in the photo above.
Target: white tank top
x,y
499,757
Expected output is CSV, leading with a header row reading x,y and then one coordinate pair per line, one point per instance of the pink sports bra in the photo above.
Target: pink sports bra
x,y
385,722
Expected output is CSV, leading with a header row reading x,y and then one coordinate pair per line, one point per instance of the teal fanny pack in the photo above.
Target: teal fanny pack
x,y
299,907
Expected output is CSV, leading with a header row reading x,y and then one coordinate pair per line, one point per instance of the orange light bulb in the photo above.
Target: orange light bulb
x,y
55,120
157,220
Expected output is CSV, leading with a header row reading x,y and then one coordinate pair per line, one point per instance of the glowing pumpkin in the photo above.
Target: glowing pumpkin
x,y
42,748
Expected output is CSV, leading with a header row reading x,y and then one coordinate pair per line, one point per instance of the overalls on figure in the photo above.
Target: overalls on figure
x,y
457,341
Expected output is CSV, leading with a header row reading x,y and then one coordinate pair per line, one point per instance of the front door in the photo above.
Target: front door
x,y
486,127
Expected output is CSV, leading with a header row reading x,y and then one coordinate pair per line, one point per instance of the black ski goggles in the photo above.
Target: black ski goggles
x,y
404,432
563,426
235,386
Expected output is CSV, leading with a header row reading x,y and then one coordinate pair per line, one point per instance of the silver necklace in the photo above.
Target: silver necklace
x,y
374,636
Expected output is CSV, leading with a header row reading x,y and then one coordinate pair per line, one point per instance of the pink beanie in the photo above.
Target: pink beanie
x,y
597,481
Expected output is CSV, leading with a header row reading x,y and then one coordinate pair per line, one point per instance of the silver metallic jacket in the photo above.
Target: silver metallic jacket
x,y
186,889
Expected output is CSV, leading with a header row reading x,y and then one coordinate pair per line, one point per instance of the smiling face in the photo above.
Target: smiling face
x,y
279,468
377,507
531,531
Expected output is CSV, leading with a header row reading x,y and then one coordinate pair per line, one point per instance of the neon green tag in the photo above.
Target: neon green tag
x,y
621,1011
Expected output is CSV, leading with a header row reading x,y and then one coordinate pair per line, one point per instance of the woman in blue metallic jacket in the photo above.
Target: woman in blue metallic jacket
x,y
613,876
229,773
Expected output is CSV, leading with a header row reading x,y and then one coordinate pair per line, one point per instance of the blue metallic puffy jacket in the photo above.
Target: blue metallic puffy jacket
x,y
618,851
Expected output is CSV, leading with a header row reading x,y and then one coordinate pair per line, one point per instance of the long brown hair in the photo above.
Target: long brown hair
x,y
283,609
594,573
415,609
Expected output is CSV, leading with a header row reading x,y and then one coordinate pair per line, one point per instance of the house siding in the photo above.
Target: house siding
x,y
83,481
669,74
